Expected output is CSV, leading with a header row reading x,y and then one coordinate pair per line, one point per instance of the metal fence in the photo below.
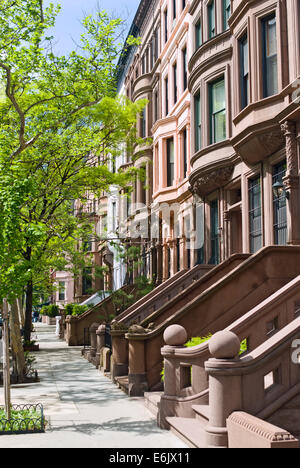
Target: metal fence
x,y
25,419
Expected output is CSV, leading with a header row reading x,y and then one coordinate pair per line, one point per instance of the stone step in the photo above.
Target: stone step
x,y
123,383
152,400
288,419
191,431
202,413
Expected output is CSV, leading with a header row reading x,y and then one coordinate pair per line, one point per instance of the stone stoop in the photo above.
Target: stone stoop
x,y
190,431
202,413
152,400
123,383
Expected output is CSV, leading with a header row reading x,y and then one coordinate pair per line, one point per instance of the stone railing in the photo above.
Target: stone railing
x,y
248,383
75,325
161,296
247,431
219,305
186,381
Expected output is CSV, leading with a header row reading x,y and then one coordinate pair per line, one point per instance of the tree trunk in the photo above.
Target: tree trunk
x,y
16,341
21,312
6,361
28,311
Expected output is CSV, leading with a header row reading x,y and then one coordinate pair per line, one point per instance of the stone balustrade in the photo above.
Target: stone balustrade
x,y
219,305
186,382
249,383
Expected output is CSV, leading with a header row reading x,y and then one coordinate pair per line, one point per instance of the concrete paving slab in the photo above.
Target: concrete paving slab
x,y
84,409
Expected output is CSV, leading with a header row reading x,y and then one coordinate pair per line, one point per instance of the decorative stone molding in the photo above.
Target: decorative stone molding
x,y
204,184
288,129
260,427
116,326
247,431
137,329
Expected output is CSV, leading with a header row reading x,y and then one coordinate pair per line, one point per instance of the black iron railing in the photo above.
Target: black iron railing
x,y
24,419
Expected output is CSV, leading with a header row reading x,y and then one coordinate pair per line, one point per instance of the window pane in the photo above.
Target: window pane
x,y
218,111
211,19
280,206
170,162
220,126
198,32
270,66
197,122
218,96
255,216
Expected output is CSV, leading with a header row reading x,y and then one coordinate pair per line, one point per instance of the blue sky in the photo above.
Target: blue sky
x,y
68,25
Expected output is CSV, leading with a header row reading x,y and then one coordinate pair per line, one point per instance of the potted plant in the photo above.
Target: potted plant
x,y
49,313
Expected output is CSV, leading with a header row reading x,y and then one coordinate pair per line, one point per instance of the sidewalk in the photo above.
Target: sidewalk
x,y
83,408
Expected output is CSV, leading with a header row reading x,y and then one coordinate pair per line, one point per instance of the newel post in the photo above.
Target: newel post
x,y
137,377
93,351
225,388
71,330
175,337
100,333
119,359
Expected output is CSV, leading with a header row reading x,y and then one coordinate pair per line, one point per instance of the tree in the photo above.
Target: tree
x,y
60,122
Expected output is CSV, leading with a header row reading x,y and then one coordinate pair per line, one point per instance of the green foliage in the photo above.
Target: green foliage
x,y
60,123
76,309
196,341
21,420
51,311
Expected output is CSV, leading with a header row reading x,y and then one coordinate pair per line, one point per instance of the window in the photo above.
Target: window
x,y
211,19
255,214
87,282
214,233
184,152
156,106
244,71
155,46
170,162
217,111
128,204
185,68
197,102
143,123
175,89
183,4
61,290
187,232
198,34
166,24
167,96
88,244
269,55
226,13
174,9
279,206
114,216
143,64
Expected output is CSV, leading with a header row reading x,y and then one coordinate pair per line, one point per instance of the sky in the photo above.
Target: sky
x,y
68,27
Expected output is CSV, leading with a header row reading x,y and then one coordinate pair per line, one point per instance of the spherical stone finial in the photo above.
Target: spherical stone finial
x,y
224,345
175,335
